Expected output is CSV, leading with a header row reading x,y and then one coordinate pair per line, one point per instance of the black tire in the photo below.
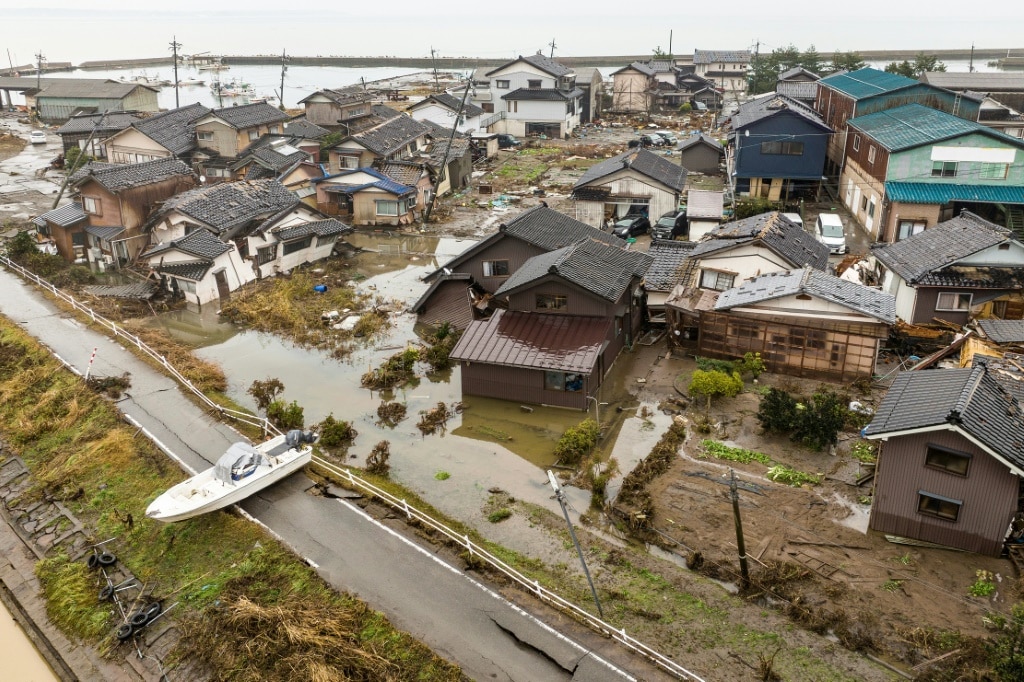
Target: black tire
x,y
93,561
125,632
106,593
106,559
138,619
152,610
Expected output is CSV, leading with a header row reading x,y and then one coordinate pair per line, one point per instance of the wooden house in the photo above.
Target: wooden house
x,y
591,82
951,459
58,99
167,134
365,196
88,132
636,181
726,68
224,134
62,232
442,108
393,139
701,153
959,269
633,89
910,167
798,83
568,314
704,211
341,109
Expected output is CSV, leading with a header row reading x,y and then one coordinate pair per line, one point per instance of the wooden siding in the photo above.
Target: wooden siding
x,y
859,156
701,159
522,385
989,494
449,303
578,301
515,251
821,349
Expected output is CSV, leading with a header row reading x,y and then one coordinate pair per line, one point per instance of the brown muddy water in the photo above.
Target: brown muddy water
x,y
22,661
490,444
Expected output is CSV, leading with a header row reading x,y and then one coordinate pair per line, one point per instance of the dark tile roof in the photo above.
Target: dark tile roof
x,y
1003,331
65,216
775,231
797,71
975,277
564,343
392,135
320,228
352,94
701,138
459,148
111,122
194,270
452,103
119,176
417,307
543,94
717,56
669,265
539,61
174,129
548,229
250,115
87,88
275,154
773,285
953,240
104,232
402,172
301,128
644,162
637,66
774,105
968,400
381,181
228,205
601,269
199,243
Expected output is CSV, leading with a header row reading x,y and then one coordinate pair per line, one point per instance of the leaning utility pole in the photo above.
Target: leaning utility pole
x,y
284,69
744,573
39,66
447,152
433,61
174,50
560,496
553,46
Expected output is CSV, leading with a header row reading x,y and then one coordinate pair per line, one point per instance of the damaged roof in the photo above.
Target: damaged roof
x,y
775,231
301,128
231,204
937,247
402,172
106,122
1003,331
565,343
391,135
539,61
119,176
174,129
670,264
320,228
352,94
967,400
642,161
65,216
601,269
250,115
199,243
773,105
773,285
450,102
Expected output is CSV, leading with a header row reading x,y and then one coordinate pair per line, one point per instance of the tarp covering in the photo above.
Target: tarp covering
x,y
237,458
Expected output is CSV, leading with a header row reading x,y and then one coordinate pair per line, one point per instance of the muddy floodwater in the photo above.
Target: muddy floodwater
x,y
22,661
488,444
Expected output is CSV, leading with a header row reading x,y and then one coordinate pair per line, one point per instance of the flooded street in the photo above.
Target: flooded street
x,y
490,444
22,661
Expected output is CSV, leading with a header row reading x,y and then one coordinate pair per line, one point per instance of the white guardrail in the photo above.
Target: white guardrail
x,y
411,513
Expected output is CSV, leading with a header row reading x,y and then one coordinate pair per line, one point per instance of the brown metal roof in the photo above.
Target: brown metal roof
x,y
566,343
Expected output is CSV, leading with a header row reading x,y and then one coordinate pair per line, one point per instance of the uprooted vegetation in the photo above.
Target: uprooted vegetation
x,y
390,413
435,419
397,370
634,504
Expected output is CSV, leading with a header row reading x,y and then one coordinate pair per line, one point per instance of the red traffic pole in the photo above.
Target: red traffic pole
x,y
88,370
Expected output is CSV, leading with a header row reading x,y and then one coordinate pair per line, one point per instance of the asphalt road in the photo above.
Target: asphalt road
x,y
461,619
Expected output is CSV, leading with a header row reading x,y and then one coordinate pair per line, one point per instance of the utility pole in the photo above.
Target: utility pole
x,y
553,46
670,46
39,66
433,61
970,68
560,496
174,50
744,573
444,162
284,69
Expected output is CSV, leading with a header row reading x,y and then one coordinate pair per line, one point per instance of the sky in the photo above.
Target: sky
x,y
67,31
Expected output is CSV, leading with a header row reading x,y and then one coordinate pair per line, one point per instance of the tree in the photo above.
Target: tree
x,y
713,383
921,64
811,60
658,53
903,68
845,61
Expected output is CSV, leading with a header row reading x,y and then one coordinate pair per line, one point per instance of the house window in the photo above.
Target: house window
x,y
994,171
954,302
326,240
488,107
348,162
563,381
864,202
856,143
788,148
297,245
513,106
91,205
718,281
387,207
501,85
908,228
254,135
205,135
186,286
275,129
871,154
944,169
266,254
495,268
532,84
947,460
552,302
936,505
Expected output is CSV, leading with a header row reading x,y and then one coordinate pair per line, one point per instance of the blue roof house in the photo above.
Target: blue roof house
x,y
911,167
778,148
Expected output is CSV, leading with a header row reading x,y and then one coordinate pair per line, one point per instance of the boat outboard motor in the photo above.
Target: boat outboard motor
x,y
296,437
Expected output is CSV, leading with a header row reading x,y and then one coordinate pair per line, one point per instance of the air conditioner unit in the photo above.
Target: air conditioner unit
x,y
108,259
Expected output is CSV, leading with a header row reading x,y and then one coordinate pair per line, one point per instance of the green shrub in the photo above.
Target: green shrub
x,y
1006,651
499,515
285,416
780,473
265,392
752,364
577,442
983,586
335,432
815,422
715,365
721,451
712,384
778,412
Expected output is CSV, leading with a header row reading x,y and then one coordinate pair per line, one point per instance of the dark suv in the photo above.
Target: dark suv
x,y
630,226
671,225
507,141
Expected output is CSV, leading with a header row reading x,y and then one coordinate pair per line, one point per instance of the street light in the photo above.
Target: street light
x,y
560,496
597,408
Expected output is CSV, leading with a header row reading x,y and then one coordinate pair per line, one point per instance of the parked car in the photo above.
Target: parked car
x,y
828,228
630,226
37,137
668,136
651,140
671,225
795,218
506,141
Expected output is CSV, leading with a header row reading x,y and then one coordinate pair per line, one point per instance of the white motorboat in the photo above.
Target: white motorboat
x,y
188,82
241,471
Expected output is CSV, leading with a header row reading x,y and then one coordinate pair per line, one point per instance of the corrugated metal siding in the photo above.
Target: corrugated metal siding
x,y
989,494
449,303
520,385
579,302
927,299
516,252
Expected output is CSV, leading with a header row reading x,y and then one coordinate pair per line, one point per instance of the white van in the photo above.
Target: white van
x,y
828,228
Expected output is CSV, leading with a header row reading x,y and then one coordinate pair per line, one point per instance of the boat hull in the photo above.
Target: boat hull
x,y
203,493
